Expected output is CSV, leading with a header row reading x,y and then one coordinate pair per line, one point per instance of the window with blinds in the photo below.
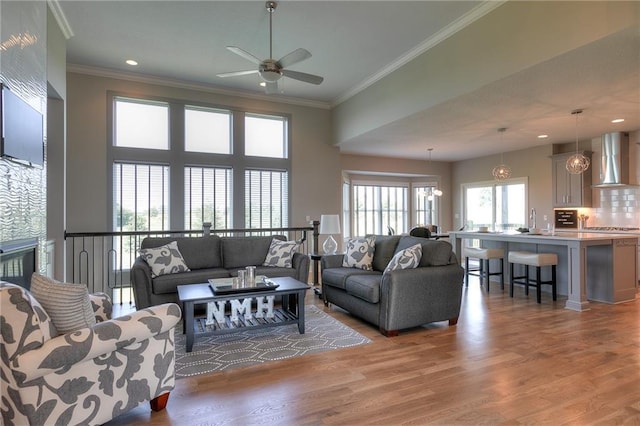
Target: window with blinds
x,y
266,199
208,197
199,162
377,208
141,197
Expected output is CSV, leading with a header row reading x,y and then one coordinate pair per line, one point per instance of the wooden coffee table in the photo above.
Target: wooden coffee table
x,y
291,310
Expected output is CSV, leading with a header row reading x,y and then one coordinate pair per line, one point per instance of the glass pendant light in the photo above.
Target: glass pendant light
x,y
578,163
501,171
434,191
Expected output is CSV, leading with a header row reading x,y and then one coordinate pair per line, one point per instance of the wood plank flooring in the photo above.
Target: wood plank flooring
x,y
508,361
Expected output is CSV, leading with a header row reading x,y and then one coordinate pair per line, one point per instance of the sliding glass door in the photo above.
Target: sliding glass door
x,y
497,205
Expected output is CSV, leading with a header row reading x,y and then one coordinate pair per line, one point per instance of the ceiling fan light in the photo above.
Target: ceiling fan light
x,y
270,76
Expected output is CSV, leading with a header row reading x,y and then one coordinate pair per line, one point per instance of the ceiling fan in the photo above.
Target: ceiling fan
x,y
271,70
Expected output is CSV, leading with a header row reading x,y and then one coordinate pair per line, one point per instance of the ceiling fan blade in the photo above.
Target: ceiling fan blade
x,y
294,57
271,88
236,73
248,56
303,76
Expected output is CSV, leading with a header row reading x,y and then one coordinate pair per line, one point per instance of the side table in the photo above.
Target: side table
x,y
316,257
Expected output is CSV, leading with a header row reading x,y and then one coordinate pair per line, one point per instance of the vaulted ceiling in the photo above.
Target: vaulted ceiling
x,y
400,76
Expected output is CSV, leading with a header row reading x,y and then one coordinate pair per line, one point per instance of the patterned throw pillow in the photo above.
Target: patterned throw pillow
x,y
280,253
408,258
165,259
68,305
359,253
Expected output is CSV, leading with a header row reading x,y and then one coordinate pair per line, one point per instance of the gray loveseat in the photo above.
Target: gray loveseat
x,y
397,299
208,257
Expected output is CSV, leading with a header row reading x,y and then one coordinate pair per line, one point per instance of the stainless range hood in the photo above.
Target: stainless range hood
x,y
614,160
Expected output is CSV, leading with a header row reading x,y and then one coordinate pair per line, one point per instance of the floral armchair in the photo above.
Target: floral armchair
x,y
88,376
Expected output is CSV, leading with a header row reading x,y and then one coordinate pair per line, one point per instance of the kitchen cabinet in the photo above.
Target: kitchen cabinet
x,y
570,190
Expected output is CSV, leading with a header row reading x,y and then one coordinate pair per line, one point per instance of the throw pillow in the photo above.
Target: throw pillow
x,y
165,259
68,305
359,253
408,258
280,253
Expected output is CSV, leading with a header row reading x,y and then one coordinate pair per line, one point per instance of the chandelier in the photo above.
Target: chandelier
x,y
501,171
578,163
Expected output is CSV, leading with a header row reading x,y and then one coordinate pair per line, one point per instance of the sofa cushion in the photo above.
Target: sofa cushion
x,y
166,284
68,305
408,258
434,252
280,253
365,287
359,253
384,251
197,252
165,259
239,252
337,277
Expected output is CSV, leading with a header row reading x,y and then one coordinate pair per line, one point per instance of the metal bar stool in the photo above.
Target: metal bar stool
x,y
538,260
484,255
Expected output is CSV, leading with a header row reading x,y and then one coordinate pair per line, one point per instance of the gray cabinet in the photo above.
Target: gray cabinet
x,y
570,190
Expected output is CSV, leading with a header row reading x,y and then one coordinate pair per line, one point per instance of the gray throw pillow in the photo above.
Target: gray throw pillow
x,y
280,253
359,253
164,260
68,305
408,258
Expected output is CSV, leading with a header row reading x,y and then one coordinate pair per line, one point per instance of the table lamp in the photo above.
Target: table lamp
x,y
329,224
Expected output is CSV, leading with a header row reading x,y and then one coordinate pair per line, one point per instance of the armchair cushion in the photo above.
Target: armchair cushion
x,y
359,253
280,253
165,259
408,258
68,305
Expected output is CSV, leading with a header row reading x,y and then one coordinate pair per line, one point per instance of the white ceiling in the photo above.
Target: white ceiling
x,y
354,44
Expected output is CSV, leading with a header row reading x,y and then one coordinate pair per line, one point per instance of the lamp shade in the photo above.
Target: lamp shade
x,y
329,224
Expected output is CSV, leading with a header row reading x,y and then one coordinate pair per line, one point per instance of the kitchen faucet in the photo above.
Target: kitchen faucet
x,y
533,218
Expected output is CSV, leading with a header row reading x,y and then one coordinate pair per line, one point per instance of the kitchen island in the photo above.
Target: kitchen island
x,y
591,266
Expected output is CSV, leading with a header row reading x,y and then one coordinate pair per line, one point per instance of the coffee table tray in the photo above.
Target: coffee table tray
x,y
226,286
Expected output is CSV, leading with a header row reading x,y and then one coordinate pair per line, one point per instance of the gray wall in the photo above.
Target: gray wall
x,y
315,179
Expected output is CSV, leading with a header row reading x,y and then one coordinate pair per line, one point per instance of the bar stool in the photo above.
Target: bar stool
x,y
484,255
538,260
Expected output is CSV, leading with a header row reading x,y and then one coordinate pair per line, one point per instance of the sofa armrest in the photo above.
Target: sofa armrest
x,y
300,262
141,283
420,295
331,261
64,351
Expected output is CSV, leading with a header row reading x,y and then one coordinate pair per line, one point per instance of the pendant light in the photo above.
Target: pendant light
x,y
434,191
578,163
501,171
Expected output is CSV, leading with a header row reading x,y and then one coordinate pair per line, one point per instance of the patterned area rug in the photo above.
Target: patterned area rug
x,y
255,346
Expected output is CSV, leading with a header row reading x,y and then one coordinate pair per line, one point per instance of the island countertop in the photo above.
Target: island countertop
x,y
602,265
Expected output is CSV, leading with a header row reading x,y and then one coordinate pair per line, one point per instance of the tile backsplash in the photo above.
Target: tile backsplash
x,y
616,207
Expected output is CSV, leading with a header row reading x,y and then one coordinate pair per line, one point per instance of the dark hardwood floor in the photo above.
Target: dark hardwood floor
x,y
508,361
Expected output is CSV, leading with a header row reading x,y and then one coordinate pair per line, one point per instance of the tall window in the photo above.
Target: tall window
x,y
378,208
207,197
192,152
501,206
267,199
424,202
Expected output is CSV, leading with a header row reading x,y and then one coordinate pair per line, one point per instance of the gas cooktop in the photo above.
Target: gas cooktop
x,y
610,228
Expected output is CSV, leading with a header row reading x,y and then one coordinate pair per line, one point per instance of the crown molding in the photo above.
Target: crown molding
x,y
181,84
457,25
61,19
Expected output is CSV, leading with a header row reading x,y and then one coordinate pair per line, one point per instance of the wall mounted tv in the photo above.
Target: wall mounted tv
x,y
22,130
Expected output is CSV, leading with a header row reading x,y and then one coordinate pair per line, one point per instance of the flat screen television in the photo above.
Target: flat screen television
x,y
22,130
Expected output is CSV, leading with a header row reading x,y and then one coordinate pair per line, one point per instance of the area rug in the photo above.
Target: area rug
x,y
255,346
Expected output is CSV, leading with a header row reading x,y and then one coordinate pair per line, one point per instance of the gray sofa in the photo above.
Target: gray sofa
x,y
397,299
208,257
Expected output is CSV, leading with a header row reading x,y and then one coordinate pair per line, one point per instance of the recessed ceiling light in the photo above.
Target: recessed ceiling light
x,y
618,120
131,62
543,136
